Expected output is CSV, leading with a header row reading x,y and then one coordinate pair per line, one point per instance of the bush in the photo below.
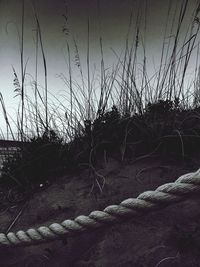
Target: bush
x,y
37,162
164,124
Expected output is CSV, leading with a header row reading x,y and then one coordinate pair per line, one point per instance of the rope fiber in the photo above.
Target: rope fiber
x,y
164,195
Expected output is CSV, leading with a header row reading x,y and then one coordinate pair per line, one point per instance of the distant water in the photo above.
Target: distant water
x,y
5,153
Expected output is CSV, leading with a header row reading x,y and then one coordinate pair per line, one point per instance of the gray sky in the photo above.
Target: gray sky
x,y
108,18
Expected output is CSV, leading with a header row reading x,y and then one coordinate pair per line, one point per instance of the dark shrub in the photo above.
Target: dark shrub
x,y
38,161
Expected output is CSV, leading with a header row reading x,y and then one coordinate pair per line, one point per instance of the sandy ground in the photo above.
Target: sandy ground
x,y
170,237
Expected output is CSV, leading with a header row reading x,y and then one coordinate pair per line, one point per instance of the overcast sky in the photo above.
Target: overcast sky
x,y
108,18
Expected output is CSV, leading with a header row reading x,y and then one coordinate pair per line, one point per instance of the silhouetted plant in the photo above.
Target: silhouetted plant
x,y
134,114
162,107
38,162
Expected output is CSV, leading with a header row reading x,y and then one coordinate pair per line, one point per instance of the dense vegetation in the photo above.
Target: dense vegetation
x,y
164,129
130,116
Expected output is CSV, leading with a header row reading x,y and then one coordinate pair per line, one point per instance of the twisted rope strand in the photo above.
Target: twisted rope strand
x,y
150,200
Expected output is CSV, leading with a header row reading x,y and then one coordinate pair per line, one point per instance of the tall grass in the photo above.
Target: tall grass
x,y
23,70
126,85
130,114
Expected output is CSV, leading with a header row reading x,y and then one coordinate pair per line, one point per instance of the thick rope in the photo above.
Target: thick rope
x,y
150,200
